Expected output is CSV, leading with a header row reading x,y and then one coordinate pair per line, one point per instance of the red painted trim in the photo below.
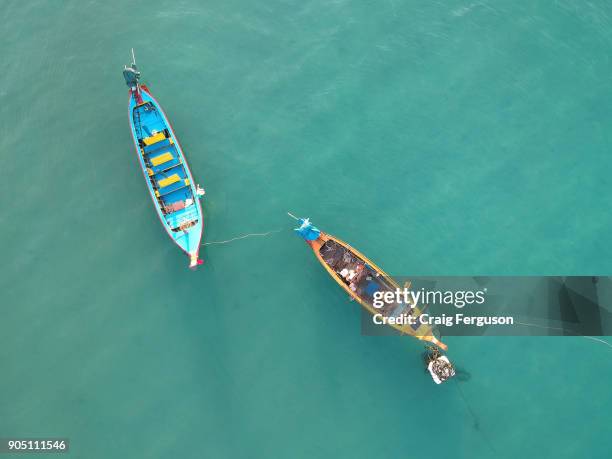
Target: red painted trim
x,y
138,97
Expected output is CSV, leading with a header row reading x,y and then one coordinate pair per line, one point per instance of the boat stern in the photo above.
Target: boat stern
x,y
434,340
194,261
189,240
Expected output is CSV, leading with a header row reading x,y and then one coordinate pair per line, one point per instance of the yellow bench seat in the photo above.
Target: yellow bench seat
x,y
154,138
161,159
169,180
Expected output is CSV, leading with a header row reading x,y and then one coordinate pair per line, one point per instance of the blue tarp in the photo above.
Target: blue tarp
x,y
307,230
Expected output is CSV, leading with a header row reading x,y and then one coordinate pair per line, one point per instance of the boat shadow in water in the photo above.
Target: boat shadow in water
x,y
462,375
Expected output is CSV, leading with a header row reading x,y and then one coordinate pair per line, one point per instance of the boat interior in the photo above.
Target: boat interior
x,y
360,277
165,168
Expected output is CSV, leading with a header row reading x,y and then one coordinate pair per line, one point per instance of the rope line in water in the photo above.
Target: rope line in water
x,y
244,236
563,329
476,424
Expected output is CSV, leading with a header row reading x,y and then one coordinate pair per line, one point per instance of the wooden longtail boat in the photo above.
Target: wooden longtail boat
x,y
167,175
337,257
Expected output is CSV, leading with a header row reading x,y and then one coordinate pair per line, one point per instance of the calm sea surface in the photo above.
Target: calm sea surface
x,y
440,138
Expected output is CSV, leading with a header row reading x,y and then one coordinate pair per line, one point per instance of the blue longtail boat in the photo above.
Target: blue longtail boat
x,y
166,172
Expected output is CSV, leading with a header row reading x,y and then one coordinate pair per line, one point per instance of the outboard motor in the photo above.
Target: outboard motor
x,y
131,75
438,365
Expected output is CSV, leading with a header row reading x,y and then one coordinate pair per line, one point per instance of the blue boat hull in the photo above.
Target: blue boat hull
x,y
166,172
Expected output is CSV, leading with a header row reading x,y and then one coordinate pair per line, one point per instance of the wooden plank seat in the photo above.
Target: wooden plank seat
x,y
154,138
168,180
169,184
171,188
161,159
165,168
154,149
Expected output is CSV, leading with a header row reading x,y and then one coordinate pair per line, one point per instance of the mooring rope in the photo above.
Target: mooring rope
x,y
475,419
563,329
244,236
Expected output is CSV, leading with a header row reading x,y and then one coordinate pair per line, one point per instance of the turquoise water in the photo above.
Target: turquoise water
x,y
439,138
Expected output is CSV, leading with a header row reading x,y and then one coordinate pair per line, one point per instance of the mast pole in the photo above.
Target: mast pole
x,y
138,96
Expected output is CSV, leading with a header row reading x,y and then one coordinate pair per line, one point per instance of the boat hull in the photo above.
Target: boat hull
x,y
423,332
183,224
